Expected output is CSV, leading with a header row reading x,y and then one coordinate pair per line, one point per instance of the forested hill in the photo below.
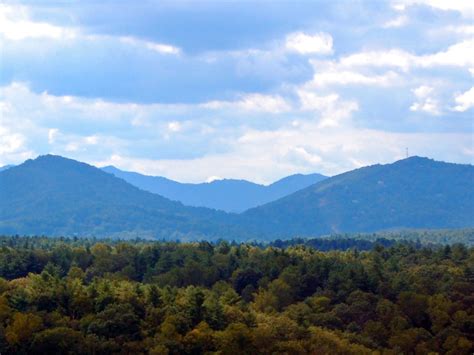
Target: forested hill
x,y
58,196
410,193
228,195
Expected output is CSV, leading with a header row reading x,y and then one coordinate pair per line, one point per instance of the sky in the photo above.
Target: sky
x,y
256,90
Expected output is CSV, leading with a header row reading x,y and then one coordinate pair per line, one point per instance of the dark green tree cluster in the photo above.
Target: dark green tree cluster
x,y
62,296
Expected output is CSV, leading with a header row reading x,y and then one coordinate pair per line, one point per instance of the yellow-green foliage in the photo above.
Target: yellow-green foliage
x,y
83,297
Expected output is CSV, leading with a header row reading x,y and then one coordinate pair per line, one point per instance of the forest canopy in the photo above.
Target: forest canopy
x,y
101,296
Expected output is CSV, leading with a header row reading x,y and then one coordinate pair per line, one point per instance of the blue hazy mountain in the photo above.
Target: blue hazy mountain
x,y
57,196
411,193
2,168
52,195
228,195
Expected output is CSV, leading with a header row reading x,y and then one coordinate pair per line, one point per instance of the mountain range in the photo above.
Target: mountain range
x,y
58,196
228,195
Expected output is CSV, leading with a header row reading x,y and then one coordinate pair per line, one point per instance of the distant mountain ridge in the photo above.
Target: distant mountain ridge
x,y
54,196
411,193
228,195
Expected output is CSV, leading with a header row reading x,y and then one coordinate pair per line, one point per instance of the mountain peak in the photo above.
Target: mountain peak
x,y
45,157
57,163
418,161
413,161
51,158
110,169
416,158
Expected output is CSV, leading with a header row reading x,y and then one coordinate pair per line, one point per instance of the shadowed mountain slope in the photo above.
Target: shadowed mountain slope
x,y
410,193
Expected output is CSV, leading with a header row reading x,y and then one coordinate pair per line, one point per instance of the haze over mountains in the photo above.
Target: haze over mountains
x,y
58,196
229,195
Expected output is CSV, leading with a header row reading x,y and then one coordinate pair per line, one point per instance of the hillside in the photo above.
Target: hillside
x,y
58,196
228,195
410,193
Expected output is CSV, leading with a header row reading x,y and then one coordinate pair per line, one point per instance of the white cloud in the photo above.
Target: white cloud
x,y
335,75
466,30
425,102
175,126
253,102
331,110
328,142
311,101
13,142
300,42
429,105
73,144
52,134
265,156
27,105
465,7
423,91
313,128
341,148
10,142
13,145
263,103
75,127
15,25
300,155
459,54
153,46
92,140
464,101
387,58
399,21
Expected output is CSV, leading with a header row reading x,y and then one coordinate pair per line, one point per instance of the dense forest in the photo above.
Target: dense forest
x,y
85,296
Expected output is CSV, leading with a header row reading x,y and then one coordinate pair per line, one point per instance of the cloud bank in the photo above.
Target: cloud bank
x,y
312,91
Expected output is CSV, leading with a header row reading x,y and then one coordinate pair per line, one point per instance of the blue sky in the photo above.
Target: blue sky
x,y
196,90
